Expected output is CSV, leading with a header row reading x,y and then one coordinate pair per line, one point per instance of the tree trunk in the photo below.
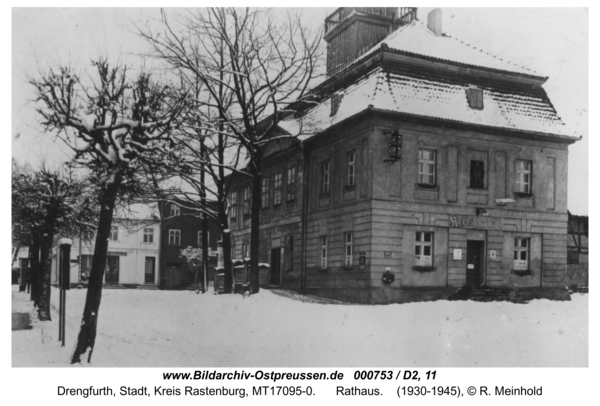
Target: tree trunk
x,y
89,321
45,288
225,239
34,271
255,222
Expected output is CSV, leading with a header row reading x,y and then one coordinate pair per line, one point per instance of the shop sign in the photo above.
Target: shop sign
x,y
486,223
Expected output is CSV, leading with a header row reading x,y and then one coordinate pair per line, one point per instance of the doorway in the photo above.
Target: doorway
x,y
149,270
112,269
474,263
275,266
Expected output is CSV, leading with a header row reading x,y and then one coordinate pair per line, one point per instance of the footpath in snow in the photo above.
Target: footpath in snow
x,y
142,328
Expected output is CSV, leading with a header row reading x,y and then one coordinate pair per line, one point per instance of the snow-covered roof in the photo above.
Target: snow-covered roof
x,y
138,211
439,95
417,39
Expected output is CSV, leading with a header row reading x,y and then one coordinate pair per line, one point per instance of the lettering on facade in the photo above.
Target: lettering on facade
x,y
487,223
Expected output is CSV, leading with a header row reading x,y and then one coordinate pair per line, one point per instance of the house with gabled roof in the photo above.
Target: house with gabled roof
x,y
424,165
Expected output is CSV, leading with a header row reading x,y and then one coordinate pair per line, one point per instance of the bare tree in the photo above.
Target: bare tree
x,y
115,125
252,65
47,202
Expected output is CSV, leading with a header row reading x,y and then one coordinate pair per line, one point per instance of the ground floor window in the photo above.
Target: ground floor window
x,y
323,251
348,249
423,248
521,254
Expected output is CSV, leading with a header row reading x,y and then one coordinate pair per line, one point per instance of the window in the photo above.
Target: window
x,y
524,176
174,210
336,100
521,257
148,235
290,264
245,250
323,251
174,237
114,233
325,176
200,238
475,98
351,168
277,189
86,267
291,183
424,249
348,249
427,167
247,201
233,206
477,174
264,197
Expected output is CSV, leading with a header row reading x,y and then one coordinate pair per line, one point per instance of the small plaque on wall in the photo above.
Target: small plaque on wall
x,y
493,254
457,254
387,254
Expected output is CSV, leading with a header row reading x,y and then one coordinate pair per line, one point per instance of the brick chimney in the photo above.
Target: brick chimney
x,y
434,21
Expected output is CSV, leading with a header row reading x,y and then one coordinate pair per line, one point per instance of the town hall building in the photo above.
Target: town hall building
x,y
423,165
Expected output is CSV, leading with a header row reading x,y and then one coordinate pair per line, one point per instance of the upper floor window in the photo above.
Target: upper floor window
x,y
423,248
427,167
148,234
174,237
348,248
264,197
233,206
291,183
325,176
114,233
351,181
475,97
246,201
277,188
521,254
477,174
524,176
174,209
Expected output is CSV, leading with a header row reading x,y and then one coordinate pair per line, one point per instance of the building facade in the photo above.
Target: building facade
x,y
415,174
132,259
181,228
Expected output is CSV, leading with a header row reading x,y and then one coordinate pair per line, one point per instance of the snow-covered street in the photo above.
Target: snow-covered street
x,y
182,329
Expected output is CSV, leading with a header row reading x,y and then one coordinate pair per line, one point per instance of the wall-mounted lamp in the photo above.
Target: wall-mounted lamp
x,y
362,260
479,211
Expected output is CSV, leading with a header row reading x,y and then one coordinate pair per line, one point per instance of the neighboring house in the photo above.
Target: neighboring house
x,y
133,251
426,165
577,250
182,228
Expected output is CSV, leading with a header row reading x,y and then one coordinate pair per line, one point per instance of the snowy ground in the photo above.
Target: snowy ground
x,y
181,329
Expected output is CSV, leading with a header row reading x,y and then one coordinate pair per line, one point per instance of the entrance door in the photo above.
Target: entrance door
x,y
112,269
474,263
149,270
275,266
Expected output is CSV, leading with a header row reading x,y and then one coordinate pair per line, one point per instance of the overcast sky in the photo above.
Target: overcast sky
x,y
553,42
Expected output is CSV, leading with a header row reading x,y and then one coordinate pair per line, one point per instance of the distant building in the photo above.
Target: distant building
x,y
182,228
428,165
577,250
133,252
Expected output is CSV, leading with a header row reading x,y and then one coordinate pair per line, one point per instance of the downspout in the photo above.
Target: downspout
x,y
304,215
